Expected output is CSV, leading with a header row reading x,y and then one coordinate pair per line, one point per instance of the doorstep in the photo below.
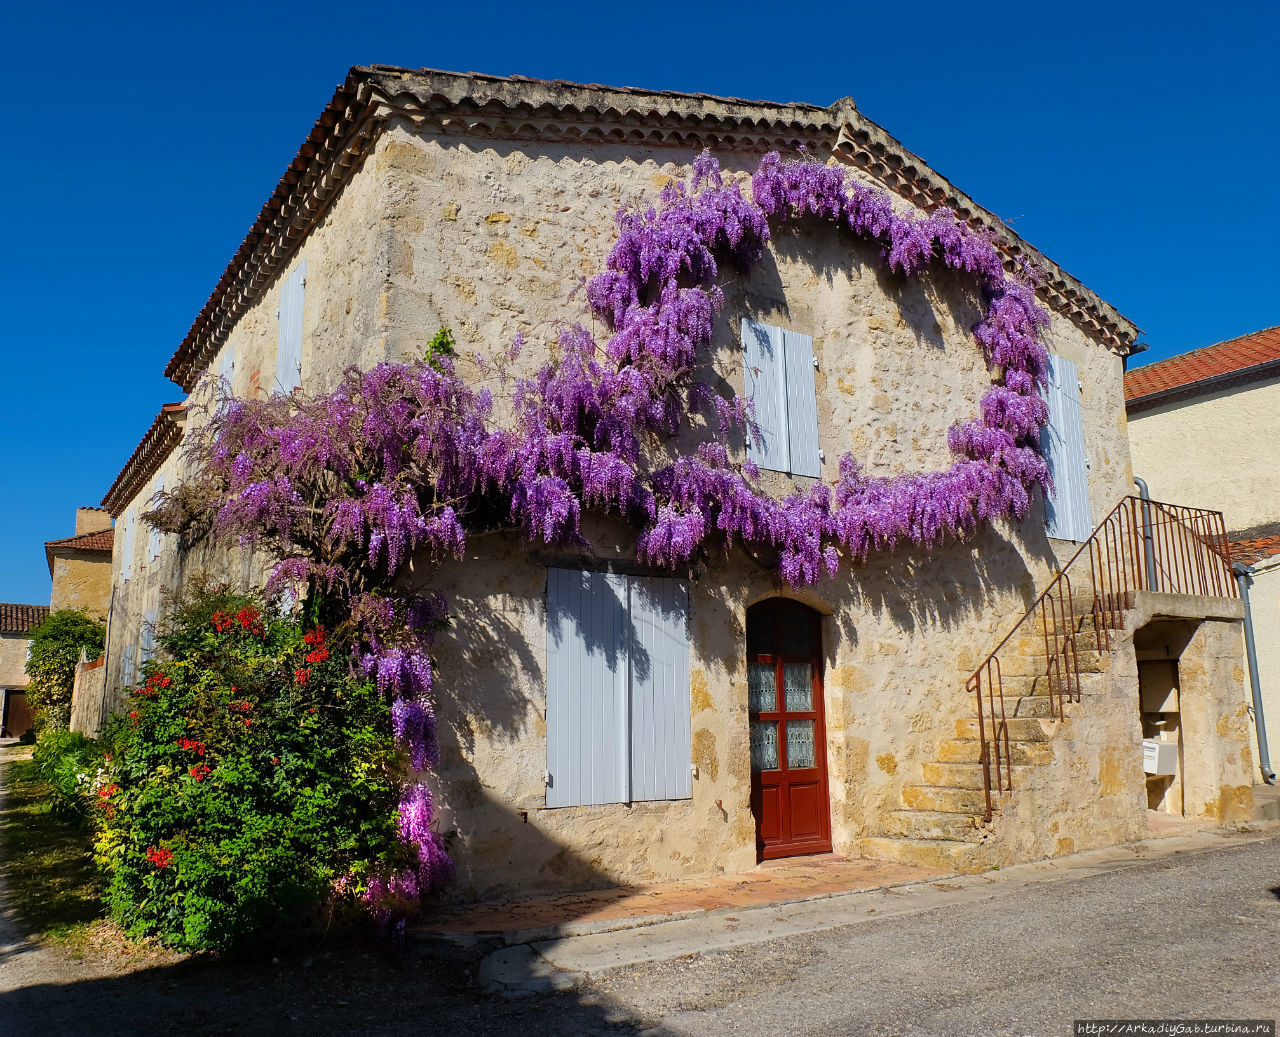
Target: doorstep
x,y
796,880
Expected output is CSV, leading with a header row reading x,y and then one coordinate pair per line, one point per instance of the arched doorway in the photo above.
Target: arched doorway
x,y
788,735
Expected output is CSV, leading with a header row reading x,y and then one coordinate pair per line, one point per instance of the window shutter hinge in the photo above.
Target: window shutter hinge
x,y
546,778
693,769
815,361
822,454
277,313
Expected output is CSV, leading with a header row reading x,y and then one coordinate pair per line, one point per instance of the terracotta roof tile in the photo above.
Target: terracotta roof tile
x,y
1254,549
99,540
18,619
102,540
1236,354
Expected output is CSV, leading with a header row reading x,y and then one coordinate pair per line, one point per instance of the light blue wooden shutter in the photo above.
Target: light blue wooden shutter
x,y
660,737
802,405
226,367
289,342
766,386
126,666
126,548
586,688
1069,514
147,639
155,541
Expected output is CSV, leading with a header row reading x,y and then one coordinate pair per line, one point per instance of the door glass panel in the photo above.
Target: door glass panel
x,y
797,628
762,685
797,683
764,745
800,750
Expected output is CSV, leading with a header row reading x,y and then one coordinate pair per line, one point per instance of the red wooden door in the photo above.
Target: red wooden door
x,y
788,738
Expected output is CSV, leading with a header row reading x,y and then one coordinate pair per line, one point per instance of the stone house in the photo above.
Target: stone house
x,y
16,624
604,722
1203,428
80,565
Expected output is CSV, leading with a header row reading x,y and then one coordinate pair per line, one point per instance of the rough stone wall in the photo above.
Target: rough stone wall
x,y
153,572
88,698
1214,451
82,580
1217,762
13,660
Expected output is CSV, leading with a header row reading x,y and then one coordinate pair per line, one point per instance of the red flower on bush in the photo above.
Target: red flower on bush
x,y
222,622
200,771
107,791
191,746
159,856
301,676
133,716
315,638
248,618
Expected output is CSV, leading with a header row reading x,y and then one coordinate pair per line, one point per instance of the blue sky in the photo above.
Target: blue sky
x,y
1135,144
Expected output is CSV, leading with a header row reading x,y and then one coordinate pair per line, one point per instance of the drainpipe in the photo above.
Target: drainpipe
x,y
1148,545
1244,577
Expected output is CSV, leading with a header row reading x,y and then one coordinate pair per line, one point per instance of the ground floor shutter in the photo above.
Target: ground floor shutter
x,y
617,688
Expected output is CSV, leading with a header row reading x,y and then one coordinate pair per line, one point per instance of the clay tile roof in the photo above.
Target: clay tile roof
x,y
519,108
101,540
1188,370
157,443
1254,549
18,619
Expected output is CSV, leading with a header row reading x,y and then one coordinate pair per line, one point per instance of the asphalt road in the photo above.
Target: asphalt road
x,y
1191,936
1180,935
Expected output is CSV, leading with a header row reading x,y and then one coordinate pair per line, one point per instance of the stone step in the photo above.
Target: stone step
x,y
943,854
948,800
1021,729
969,750
1035,663
934,824
966,775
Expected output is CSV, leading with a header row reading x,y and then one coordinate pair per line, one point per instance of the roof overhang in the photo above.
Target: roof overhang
x,y
157,444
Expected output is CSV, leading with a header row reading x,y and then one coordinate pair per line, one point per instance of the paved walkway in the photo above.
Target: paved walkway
x,y
542,916
782,882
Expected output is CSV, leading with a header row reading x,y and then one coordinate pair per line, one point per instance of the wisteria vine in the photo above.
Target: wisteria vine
x,y
396,465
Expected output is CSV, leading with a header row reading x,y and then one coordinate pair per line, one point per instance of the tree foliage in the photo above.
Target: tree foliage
x,y
56,645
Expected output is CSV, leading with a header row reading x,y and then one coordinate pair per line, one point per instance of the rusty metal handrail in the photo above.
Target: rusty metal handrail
x,y
1142,545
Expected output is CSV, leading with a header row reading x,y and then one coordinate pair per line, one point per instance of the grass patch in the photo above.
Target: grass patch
x,y
49,876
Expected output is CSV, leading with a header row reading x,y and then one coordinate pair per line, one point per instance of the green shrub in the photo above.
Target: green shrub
x,y
253,779
51,666
72,765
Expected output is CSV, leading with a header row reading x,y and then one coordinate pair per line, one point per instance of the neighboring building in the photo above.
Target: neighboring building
x,y
80,565
424,199
1204,428
16,624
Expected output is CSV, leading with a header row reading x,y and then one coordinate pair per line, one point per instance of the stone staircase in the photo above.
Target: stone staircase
x,y
942,824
